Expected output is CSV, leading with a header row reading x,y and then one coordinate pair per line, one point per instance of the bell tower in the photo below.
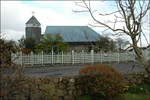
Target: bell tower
x,y
33,29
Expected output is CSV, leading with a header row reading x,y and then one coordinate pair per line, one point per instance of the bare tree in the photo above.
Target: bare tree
x,y
121,42
131,14
106,43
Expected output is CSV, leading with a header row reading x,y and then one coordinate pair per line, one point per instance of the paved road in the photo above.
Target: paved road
x,y
72,70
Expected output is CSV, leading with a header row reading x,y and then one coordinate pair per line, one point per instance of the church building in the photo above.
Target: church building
x,y
33,29
78,37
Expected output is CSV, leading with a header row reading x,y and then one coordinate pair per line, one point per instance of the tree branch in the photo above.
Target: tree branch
x,y
109,13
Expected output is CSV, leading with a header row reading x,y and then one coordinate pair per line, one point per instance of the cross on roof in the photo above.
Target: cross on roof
x,y
33,12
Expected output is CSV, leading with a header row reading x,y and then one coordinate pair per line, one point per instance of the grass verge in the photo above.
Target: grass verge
x,y
124,96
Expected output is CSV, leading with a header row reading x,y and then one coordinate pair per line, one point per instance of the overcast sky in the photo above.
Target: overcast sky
x,y
14,15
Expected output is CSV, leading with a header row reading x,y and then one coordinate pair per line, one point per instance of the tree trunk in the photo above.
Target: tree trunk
x,y
140,56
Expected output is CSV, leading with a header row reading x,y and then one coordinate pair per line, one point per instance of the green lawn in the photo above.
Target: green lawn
x,y
129,96
124,96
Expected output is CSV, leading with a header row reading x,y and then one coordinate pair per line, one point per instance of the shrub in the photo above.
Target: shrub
x,y
101,80
15,85
13,79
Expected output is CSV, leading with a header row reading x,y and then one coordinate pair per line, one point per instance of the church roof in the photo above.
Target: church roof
x,y
74,33
33,20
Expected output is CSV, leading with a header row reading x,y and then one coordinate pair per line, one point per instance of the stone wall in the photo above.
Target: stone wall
x,y
66,88
78,48
63,88
135,78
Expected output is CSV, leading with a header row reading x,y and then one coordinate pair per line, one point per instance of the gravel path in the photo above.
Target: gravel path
x,y
60,70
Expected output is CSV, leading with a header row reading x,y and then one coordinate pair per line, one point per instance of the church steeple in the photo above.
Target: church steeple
x,y
33,28
33,22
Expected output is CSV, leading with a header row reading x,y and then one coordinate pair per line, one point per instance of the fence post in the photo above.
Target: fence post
x,y
101,57
52,56
58,57
31,58
62,58
109,55
82,56
92,56
118,56
72,57
42,58
21,57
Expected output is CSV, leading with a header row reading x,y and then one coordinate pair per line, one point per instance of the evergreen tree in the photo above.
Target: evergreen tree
x,y
52,42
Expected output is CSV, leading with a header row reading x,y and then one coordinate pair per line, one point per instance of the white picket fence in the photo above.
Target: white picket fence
x,y
71,58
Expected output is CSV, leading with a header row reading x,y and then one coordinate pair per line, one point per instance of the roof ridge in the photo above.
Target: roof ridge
x,y
33,20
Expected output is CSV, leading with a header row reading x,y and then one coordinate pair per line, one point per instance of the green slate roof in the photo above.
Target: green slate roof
x,y
33,20
74,33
